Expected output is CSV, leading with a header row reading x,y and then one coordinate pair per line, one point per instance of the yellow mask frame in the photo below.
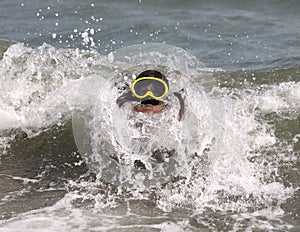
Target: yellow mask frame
x,y
148,92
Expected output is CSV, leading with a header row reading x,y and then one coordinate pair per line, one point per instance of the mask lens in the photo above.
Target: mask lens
x,y
155,86
159,89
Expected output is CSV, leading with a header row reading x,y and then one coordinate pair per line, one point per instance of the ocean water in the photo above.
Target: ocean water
x,y
236,163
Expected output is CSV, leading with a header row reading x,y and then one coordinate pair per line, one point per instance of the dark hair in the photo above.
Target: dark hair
x,y
153,73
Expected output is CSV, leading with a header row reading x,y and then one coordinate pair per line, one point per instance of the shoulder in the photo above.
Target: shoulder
x,y
180,95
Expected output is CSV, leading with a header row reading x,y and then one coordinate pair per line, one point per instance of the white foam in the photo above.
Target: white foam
x,y
231,173
282,97
38,86
9,119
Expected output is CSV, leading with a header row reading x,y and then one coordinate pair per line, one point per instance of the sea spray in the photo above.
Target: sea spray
x,y
243,178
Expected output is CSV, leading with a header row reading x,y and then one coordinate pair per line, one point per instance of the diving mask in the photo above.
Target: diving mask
x,y
149,86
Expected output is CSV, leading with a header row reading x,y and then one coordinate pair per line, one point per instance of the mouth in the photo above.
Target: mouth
x,y
150,106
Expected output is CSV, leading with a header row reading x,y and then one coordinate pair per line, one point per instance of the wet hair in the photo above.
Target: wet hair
x,y
153,73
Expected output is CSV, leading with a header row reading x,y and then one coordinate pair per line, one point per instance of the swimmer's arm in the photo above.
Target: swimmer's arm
x,y
181,101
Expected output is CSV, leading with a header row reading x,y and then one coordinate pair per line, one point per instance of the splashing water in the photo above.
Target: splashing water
x,y
227,177
123,141
242,150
